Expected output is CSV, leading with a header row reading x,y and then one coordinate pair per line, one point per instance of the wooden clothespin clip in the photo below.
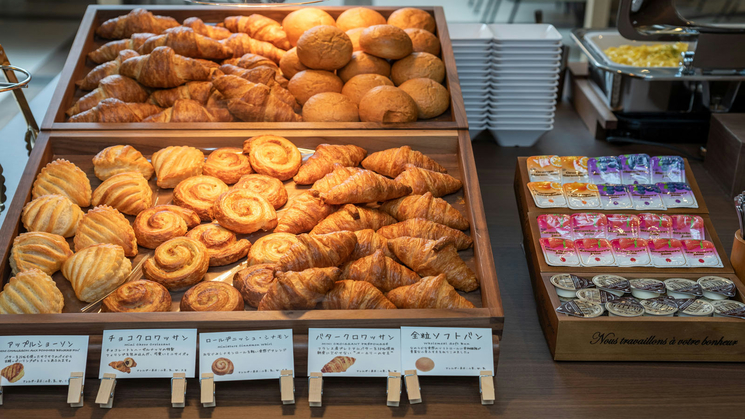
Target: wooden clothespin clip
x,y
207,384
315,389
486,387
412,386
287,387
178,389
1,391
105,397
393,388
75,389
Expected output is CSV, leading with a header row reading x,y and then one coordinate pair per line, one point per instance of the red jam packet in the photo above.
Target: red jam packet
x,y
555,226
589,225
547,194
595,252
688,227
544,168
574,169
655,226
559,252
622,226
666,253
582,196
631,252
701,253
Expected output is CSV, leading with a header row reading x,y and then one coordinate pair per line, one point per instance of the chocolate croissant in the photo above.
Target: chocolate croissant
x,y
434,257
38,250
428,207
318,251
177,263
381,271
305,211
338,364
163,69
31,292
96,270
392,162
355,295
212,296
187,42
322,161
430,292
425,229
423,180
63,178
363,187
116,86
253,282
353,218
138,20
105,225
54,214
140,296
156,225
221,243
299,290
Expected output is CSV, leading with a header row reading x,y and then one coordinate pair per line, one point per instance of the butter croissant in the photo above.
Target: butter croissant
x,y
198,91
54,214
318,251
176,163
305,211
112,87
428,207
243,211
222,246
163,69
100,72
369,242
187,42
425,229
381,271
112,110
259,27
104,224
110,50
228,164
242,44
211,31
353,218
270,248
187,110
434,257
31,292
156,225
38,250
96,270
199,194
138,20
363,187
212,296
253,282
423,180
335,178
140,296
177,263
322,161
355,295
270,188
63,178
392,162
430,292
128,192
299,290
120,159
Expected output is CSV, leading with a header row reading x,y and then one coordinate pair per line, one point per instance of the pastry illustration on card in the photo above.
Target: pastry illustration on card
x,y
222,366
424,364
124,366
338,364
13,372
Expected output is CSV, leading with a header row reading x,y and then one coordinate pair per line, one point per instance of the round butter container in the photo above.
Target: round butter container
x,y
624,308
680,288
697,308
590,309
723,306
564,285
716,287
614,284
657,307
590,294
645,288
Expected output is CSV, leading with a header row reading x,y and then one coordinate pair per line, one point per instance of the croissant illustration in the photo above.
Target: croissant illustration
x,y
353,218
299,290
355,295
381,271
91,80
185,41
318,251
112,87
338,364
322,161
259,27
428,207
138,20
423,180
434,257
363,187
124,366
211,31
163,68
110,50
430,292
304,212
425,229
392,162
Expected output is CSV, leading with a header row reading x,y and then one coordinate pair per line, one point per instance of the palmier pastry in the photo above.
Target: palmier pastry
x,y
38,250
391,162
305,211
221,243
199,193
141,296
31,292
163,222
270,248
227,164
178,263
119,159
272,189
273,156
339,363
176,163
253,282
318,251
63,178
355,295
222,366
96,270
54,214
322,161
104,224
13,372
243,211
299,290
128,192
212,296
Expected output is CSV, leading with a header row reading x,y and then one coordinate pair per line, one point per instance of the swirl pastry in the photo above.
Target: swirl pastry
x,y
272,189
322,161
96,270
318,251
212,296
104,224
253,282
227,164
222,366
306,210
141,296
199,193
273,156
244,212
54,214
270,248
63,178
221,243
178,263
299,290
163,222
128,192
120,159
31,292
355,295
176,163
38,250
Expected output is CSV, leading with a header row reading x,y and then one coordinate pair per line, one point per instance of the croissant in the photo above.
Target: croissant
x,y
63,178
222,246
163,68
54,214
339,364
425,229
199,91
369,242
116,86
185,41
234,87
187,110
363,187
254,282
270,248
229,164
212,296
259,27
242,44
353,218
428,207
430,292
140,296
104,224
392,162
177,263
91,80
266,76
114,110
299,290
304,212
249,61
318,251
128,192
156,225
355,295
381,271
336,177
138,20
176,163
199,193
272,110
423,180
110,50
120,159
31,292
211,31
96,270
434,257
256,102
322,161
38,250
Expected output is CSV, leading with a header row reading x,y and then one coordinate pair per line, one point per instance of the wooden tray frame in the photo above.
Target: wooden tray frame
x,y
77,66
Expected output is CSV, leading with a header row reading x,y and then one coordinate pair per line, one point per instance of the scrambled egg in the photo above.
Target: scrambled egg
x,y
648,55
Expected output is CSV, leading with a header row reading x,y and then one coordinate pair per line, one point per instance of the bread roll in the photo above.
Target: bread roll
x,y
309,83
324,48
386,41
299,21
387,104
409,17
330,107
364,63
354,36
358,85
359,17
417,65
432,98
423,41
290,64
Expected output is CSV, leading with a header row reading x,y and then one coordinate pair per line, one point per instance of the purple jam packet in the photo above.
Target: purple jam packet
x,y
605,169
615,196
677,195
646,197
635,168
668,169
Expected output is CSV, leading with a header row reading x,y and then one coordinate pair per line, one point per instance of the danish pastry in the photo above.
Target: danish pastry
x,y
119,159
63,178
212,296
141,296
161,223
322,161
222,366
306,210
128,192
176,163
245,212
253,282
199,193
177,263
273,156
270,248
54,214
38,250
272,189
221,243
96,270
31,292
299,290
104,224
227,164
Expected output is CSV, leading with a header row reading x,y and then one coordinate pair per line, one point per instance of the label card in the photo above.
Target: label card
x,y
354,352
41,360
148,353
250,355
447,350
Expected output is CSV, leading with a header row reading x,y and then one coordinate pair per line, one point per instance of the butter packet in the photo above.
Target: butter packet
x,y
596,295
559,252
655,226
595,252
589,225
544,168
615,197
580,308
729,308
646,197
547,194
688,227
666,253
622,226
677,195
635,168
582,196
668,169
606,169
558,226
701,253
631,252
574,169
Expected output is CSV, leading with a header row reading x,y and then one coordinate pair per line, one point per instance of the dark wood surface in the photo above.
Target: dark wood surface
x,y
726,159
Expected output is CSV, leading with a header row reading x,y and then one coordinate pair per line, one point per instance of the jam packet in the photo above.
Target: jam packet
x,y
646,197
580,308
559,252
677,195
666,253
701,253
606,169
655,226
615,196
547,194
668,169
544,168
557,226
631,252
595,252
635,168
574,169
622,226
582,196
589,225
688,227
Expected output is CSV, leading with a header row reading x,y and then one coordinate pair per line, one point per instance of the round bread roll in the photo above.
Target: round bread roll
x,y
299,21
423,41
387,104
364,63
359,17
432,98
358,85
409,17
416,65
290,64
354,36
330,107
386,41
324,48
309,83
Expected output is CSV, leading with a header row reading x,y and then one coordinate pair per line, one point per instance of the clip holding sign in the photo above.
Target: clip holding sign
x,y
178,389
315,389
1,391
411,379
393,389
486,387
105,397
287,387
75,389
207,389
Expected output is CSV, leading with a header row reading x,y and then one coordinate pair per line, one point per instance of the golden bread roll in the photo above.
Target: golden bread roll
x,y
358,85
227,164
432,99
270,248
156,225
423,41
330,107
409,17
299,21
177,263
253,282
354,36
212,296
272,189
140,296
128,192
290,64
199,193
245,212
54,214
418,65
359,17
386,41
364,63
273,156
387,104
222,246
38,250
176,163
96,270
308,83
63,178
119,159
31,292
324,48
105,225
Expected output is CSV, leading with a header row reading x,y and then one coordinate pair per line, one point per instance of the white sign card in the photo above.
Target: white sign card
x,y
447,350
253,355
148,353
41,360
354,352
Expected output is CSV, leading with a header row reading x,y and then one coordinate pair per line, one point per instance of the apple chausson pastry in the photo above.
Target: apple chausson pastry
x,y
31,292
96,270
54,214
120,159
63,178
104,224
176,163
128,192
38,250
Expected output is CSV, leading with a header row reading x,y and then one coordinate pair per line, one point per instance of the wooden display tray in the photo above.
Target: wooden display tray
x,y
77,66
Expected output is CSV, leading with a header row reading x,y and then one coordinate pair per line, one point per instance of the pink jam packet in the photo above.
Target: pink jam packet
x,y
688,227
701,253
655,226
589,225
666,253
555,226
631,252
622,226
559,252
595,252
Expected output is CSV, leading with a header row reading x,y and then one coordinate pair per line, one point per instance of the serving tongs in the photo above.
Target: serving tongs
x,y
133,276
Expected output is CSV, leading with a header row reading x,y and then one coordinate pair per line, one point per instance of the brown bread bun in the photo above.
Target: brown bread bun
x,y
324,48
432,98
364,63
309,83
409,17
359,17
299,21
417,65
386,41
387,104
330,107
358,85
290,64
354,36
423,41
